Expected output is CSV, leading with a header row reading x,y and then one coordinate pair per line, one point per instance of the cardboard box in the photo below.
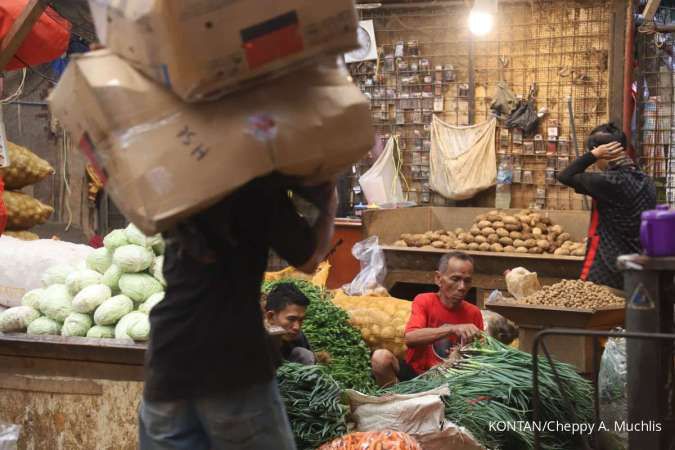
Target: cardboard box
x,y
203,49
163,159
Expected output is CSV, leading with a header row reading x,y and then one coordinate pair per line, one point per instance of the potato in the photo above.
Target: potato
x,y
428,234
527,236
562,252
406,236
480,239
534,218
579,252
484,247
461,246
483,224
536,231
509,249
546,220
563,237
566,244
481,217
24,212
535,250
543,244
530,243
435,237
473,246
513,227
493,216
523,218
438,244
555,229
466,237
505,240
400,244
510,220
502,232
525,212
423,242
515,235
497,224
542,226
474,230
487,231
493,238
518,243
521,249
496,248
459,231
526,228
25,168
441,232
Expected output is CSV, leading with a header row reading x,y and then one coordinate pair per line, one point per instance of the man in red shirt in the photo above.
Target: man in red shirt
x,y
437,318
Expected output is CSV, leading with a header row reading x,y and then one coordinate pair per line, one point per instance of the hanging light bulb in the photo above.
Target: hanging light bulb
x,y
482,17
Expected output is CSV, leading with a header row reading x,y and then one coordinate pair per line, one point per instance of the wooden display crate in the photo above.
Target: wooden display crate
x,y
575,350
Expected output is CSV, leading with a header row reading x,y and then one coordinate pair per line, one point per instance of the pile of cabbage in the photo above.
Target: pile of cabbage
x,y
108,296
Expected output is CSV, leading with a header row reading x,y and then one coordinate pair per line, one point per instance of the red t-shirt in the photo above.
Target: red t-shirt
x,y
429,312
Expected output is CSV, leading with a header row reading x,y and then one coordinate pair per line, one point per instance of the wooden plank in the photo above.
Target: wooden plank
x,y
19,30
49,385
75,369
617,59
650,9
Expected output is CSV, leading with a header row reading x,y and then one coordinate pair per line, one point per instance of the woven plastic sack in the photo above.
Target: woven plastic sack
x,y
24,212
373,440
319,278
381,320
25,168
463,161
381,184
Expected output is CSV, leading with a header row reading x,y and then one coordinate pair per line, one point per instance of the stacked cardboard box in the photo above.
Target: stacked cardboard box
x,y
289,105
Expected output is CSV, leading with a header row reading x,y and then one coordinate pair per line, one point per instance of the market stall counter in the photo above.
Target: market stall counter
x,y
416,266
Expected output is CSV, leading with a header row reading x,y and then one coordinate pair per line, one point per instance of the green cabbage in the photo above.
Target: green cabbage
x,y
115,239
139,329
99,260
122,327
133,258
135,236
76,324
57,274
157,244
113,309
18,318
56,302
111,278
80,279
33,298
139,286
101,332
44,326
157,270
147,305
91,298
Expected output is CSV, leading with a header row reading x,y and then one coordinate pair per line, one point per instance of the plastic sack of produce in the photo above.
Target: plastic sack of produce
x,y
381,320
420,415
612,384
24,211
522,283
373,269
374,440
25,167
23,263
319,278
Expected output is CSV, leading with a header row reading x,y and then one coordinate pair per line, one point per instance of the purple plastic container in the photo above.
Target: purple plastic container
x,y
657,231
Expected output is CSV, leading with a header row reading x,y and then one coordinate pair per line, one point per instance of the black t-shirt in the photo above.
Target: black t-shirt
x,y
300,341
207,335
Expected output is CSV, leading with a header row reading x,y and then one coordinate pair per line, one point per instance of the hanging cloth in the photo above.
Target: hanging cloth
x,y
381,183
462,160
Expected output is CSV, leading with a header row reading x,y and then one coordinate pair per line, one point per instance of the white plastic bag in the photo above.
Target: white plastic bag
x,y
612,384
22,263
381,184
522,283
462,160
373,267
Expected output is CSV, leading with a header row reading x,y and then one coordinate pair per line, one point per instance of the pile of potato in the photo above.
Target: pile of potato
x,y
23,211
574,294
526,232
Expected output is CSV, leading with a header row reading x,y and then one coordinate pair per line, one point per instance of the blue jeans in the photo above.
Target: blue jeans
x,y
252,418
